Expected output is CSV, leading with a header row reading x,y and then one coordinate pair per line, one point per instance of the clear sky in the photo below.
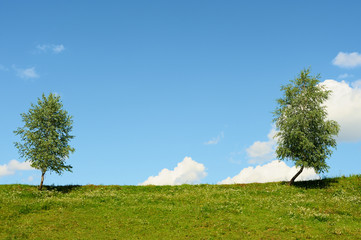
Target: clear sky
x,y
185,86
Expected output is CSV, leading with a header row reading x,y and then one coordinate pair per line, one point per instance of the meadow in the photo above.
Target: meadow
x,y
322,209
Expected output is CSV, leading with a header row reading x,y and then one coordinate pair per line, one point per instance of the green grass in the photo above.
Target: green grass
x,y
326,209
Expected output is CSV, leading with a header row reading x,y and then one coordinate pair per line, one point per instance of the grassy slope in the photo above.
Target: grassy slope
x,y
326,209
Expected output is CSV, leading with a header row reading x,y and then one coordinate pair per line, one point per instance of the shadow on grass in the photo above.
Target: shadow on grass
x,y
62,189
314,184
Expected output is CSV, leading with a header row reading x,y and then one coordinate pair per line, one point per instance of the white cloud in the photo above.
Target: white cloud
x,y
26,73
274,171
42,47
344,106
356,84
12,166
347,60
216,139
260,152
58,48
345,75
51,47
186,172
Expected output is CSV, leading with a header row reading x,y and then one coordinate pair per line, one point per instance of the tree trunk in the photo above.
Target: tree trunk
x,y
294,177
42,180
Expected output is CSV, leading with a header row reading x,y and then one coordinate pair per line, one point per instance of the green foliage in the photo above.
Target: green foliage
x,y
45,135
322,209
304,133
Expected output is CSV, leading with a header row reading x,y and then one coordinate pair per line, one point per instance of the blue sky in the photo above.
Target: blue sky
x,y
154,85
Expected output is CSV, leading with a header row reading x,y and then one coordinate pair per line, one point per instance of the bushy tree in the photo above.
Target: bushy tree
x,y
45,136
304,135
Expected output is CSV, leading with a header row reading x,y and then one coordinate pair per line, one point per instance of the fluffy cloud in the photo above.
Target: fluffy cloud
x,y
356,84
186,172
274,171
52,47
347,60
344,106
12,166
260,152
26,73
215,140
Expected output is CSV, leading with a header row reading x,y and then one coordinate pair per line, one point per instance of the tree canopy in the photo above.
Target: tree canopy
x,y
45,136
305,135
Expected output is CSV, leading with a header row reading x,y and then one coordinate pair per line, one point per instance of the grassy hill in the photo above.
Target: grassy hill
x,y
325,209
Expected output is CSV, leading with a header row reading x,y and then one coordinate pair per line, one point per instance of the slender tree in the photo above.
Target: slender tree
x,y
304,135
45,136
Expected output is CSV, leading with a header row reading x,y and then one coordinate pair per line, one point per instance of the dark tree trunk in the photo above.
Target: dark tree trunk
x,y
42,180
294,177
